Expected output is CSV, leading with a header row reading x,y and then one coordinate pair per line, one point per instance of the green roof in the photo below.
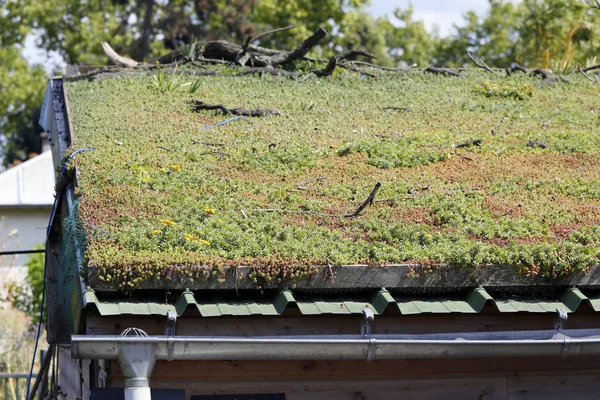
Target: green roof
x,y
474,170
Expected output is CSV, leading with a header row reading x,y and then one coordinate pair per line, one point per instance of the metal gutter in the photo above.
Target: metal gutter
x,y
553,343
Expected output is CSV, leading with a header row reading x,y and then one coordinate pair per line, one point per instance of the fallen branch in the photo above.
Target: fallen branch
x,y
403,70
221,154
365,203
535,143
164,148
198,105
475,142
589,78
403,109
333,61
441,71
591,68
414,189
299,52
541,72
269,71
117,59
514,67
301,186
267,33
353,69
480,63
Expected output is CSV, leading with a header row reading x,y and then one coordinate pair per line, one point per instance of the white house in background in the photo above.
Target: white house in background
x,y
26,198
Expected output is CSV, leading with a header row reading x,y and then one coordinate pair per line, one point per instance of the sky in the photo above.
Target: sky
x,y
443,13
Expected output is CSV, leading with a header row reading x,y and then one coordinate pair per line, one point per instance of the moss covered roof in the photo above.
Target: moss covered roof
x,y
476,169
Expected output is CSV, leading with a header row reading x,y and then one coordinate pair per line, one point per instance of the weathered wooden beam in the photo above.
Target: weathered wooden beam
x,y
408,277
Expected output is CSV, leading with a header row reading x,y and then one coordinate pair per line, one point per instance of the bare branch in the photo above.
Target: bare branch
x,y
595,4
480,63
117,59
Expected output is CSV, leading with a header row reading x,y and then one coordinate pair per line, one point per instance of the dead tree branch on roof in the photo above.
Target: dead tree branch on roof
x,y
269,71
582,72
541,72
535,143
591,68
475,142
354,214
198,105
514,67
480,63
333,61
244,56
402,70
441,71
368,201
117,59
299,52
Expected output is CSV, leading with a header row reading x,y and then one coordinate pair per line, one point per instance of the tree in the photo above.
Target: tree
x,y
410,43
540,33
146,29
21,88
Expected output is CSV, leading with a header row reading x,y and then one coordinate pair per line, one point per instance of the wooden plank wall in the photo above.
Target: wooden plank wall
x,y
518,378
69,377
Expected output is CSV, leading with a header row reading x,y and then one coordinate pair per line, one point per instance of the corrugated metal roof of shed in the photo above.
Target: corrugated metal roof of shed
x,y
472,301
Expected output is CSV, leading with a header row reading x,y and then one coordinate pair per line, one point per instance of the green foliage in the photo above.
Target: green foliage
x,y
21,94
403,152
508,90
168,82
537,33
28,296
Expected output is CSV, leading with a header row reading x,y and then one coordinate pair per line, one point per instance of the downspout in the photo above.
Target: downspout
x,y
137,361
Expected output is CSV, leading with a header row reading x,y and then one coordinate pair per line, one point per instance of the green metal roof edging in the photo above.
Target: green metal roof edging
x,y
474,302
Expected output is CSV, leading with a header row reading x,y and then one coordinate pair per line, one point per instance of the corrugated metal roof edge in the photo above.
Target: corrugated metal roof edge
x,y
475,300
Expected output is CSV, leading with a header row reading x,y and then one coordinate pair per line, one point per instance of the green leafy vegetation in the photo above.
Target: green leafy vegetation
x,y
167,193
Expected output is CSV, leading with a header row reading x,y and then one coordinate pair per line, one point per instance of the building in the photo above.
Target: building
x,y
25,202
398,237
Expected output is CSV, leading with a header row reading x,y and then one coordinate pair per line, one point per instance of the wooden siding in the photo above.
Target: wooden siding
x,y
510,379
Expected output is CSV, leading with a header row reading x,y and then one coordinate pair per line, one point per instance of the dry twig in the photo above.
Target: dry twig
x,y
480,63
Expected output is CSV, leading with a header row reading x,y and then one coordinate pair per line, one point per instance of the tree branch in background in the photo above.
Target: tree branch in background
x,y
144,42
595,4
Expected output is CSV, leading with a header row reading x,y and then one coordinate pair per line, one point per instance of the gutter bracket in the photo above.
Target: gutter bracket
x,y
562,317
371,350
365,325
170,331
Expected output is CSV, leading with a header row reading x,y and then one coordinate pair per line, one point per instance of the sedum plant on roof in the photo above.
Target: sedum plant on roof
x,y
171,191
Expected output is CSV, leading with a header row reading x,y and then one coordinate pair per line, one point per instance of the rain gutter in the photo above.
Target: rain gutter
x,y
570,343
